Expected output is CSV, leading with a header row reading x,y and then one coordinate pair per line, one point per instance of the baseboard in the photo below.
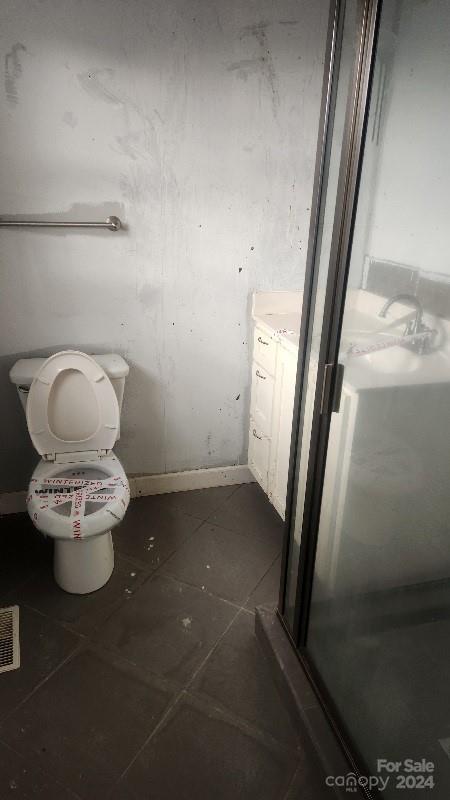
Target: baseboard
x,y
142,485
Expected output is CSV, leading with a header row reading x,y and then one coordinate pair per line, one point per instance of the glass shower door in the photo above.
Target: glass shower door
x,y
375,627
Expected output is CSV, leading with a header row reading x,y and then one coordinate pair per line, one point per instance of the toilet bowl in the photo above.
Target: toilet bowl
x,y
78,491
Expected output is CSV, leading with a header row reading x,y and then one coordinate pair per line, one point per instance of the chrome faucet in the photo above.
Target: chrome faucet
x,y
414,326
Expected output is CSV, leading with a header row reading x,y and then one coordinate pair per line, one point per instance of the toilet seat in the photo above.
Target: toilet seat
x,y
95,505
72,409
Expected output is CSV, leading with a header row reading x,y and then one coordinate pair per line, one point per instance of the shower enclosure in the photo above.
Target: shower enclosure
x,y
365,592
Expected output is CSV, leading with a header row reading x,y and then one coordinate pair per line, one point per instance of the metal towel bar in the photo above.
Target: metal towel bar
x,y
111,224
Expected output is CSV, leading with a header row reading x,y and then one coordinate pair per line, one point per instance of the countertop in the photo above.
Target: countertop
x,y
279,315
284,328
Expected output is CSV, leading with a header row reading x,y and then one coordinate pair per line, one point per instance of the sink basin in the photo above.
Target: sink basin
x,y
386,359
393,359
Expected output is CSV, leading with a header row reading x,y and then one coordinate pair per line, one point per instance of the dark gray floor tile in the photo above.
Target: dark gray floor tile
x,y
238,676
309,784
197,753
249,512
43,645
21,779
85,612
223,562
168,627
267,591
22,550
200,503
85,724
152,530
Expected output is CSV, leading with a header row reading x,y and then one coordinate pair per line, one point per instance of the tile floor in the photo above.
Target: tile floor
x,y
154,687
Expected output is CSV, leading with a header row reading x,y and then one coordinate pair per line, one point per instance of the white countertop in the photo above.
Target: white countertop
x,y
284,328
279,315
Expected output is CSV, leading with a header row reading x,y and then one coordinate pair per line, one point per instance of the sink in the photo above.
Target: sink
x,y
394,359
387,359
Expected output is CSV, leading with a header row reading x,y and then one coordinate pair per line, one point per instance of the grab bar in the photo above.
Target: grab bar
x,y
111,224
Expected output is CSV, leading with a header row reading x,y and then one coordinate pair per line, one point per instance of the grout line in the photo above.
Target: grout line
x,y
315,775
222,503
116,607
206,592
41,683
255,537
71,627
291,783
172,703
213,648
260,581
248,611
177,697
144,566
16,601
242,606
244,725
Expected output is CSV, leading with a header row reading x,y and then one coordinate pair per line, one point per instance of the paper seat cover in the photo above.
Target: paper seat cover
x,y
70,504
72,406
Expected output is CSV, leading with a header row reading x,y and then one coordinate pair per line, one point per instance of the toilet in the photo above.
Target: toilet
x,y
78,491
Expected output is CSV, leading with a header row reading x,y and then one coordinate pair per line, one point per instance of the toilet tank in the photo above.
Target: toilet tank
x,y
24,370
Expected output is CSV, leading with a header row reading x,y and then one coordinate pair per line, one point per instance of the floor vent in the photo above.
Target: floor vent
x,y
9,639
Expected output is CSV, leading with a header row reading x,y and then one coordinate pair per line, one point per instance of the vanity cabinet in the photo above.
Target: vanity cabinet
x,y
274,369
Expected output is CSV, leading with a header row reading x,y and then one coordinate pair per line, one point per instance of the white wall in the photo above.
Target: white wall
x,y
410,217
196,123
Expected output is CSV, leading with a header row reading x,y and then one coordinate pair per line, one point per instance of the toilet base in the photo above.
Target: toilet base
x,y
81,566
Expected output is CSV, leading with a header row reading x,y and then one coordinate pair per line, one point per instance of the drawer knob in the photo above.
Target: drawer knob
x,y
255,434
262,341
258,374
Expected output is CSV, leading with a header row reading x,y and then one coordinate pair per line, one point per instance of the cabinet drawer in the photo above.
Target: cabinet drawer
x,y
258,455
261,402
264,351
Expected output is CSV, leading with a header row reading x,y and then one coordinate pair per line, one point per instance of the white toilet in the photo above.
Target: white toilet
x,y
78,491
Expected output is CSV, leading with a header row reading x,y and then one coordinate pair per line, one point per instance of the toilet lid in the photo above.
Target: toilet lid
x,y
72,407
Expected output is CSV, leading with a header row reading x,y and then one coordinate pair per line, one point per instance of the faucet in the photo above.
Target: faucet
x,y
414,326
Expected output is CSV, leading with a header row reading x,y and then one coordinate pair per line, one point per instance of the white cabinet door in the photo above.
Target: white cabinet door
x,y
286,370
264,350
261,403
258,455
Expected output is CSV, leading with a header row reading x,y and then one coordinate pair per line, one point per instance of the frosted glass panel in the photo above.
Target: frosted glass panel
x,y
379,630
